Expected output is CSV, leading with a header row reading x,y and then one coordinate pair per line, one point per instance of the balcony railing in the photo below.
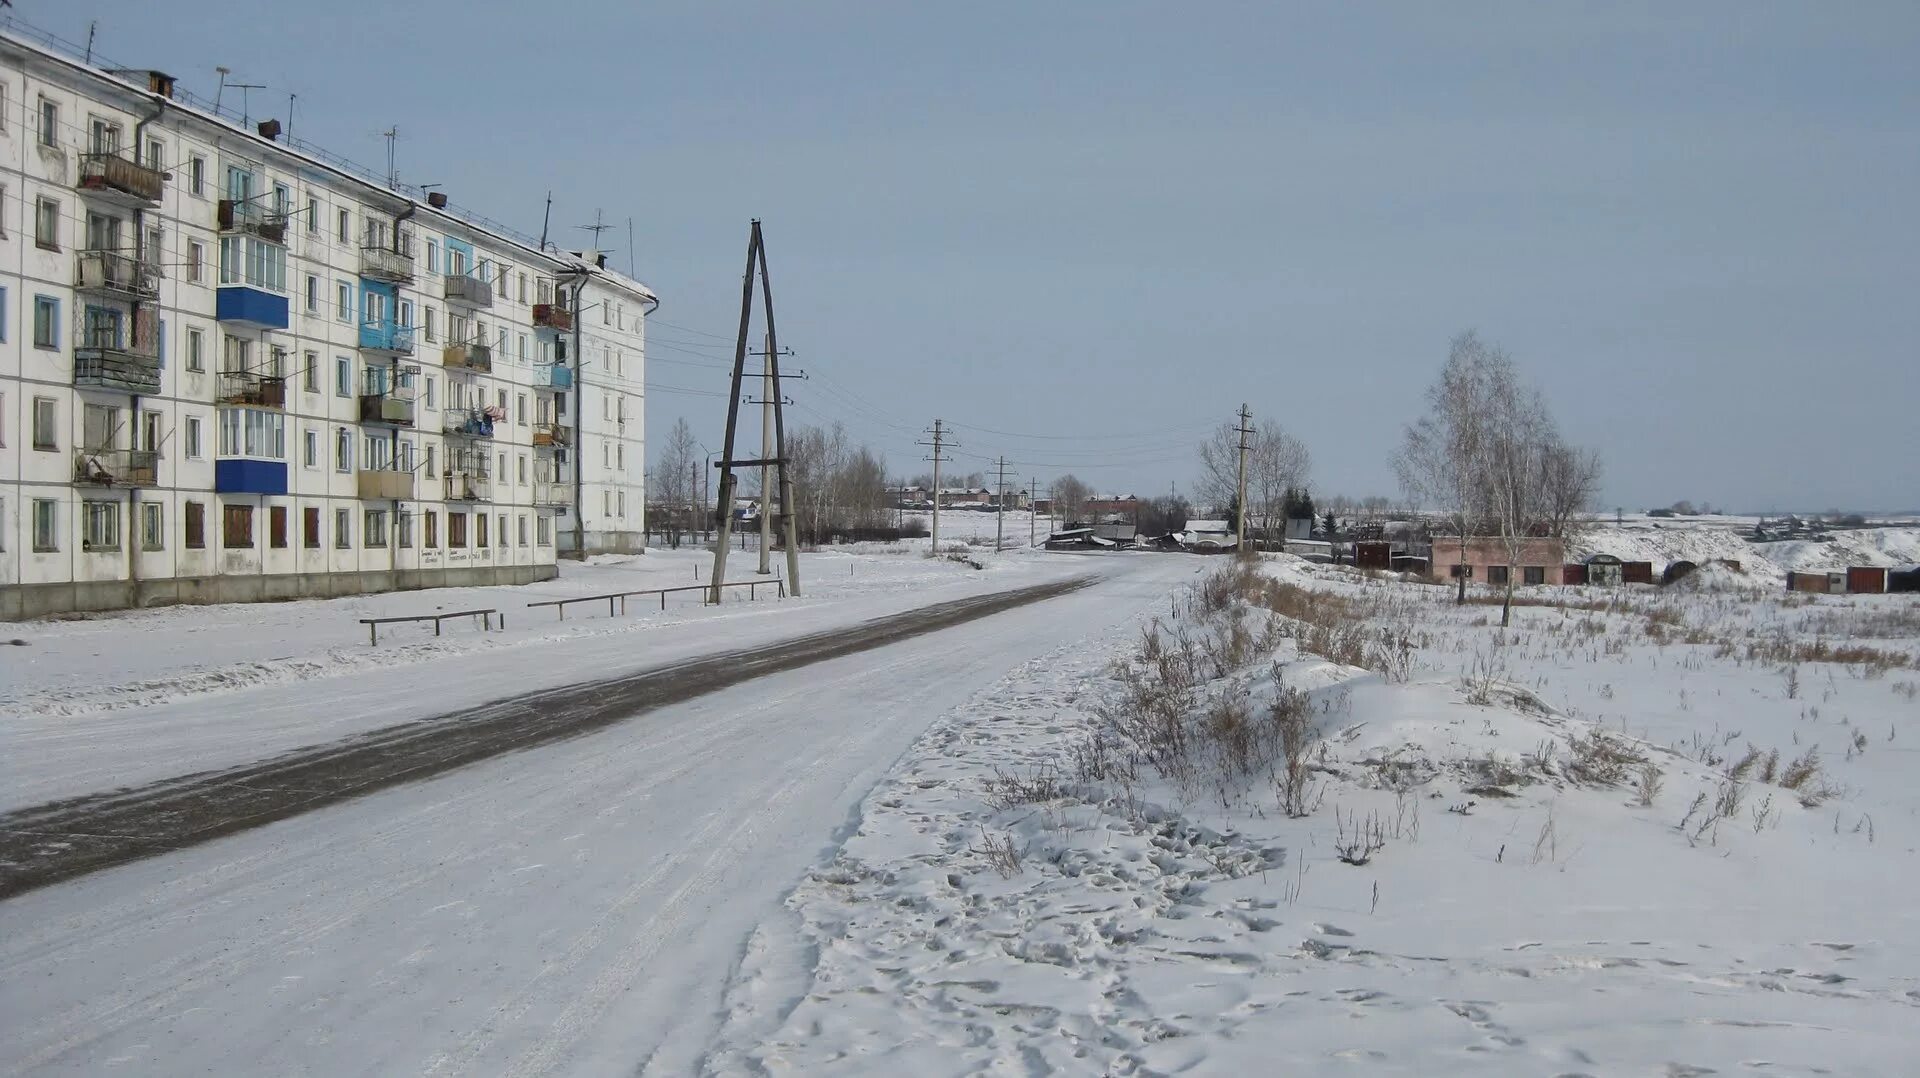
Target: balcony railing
x,y
467,422
117,467
553,376
387,337
258,390
552,492
115,273
386,264
472,291
553,316
467,487
116,178
551,434
386,408
117,367
251,216
477,357
384,484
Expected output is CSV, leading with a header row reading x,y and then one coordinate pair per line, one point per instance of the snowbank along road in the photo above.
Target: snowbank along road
x,y
578,908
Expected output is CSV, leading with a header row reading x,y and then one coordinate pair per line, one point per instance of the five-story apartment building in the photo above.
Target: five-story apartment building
x,y
232,368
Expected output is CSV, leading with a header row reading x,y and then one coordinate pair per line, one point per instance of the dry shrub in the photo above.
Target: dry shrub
x,y
1007,790
1595,759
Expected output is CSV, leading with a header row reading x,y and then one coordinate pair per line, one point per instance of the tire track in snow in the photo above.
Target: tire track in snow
x,y
49,843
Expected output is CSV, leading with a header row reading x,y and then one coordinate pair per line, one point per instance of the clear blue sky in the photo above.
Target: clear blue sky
x,y
1696,226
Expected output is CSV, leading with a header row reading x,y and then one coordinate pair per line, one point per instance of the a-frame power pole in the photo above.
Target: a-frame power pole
x,y
756,263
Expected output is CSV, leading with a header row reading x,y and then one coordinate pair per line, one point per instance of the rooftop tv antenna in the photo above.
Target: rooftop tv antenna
x,y
392,135
598,226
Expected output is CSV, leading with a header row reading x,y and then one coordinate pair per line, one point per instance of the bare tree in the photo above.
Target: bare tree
x,y
672,481
1569,486
1519,432
1070,497
1441,453
1276,462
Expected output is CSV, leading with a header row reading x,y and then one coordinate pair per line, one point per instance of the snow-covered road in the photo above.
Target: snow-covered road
x,y
577,908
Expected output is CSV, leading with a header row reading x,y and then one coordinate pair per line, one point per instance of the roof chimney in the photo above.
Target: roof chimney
x,y
269,129
437,199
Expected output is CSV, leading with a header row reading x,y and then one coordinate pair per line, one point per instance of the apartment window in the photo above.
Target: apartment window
x,y
197,176
313,215
3,106
3,291
523,287
46,534
433,256
426,394
346,227
342,450
313,294
1533,574
153,530
46,322
1497,574
196,350
606,503
480,530
430,534
236,527
522,470
429,324
620,456
343,301
46,223
623,505
342,376
282,199
310,372
310,449
150,431
522,349
46,432
342,528
501,530
606,455
501,471
457,531
406,312
521,531
277,527
606,315
49,122
543,530
196,525
427,465
374,534
102,526
250,260
310,527
193,437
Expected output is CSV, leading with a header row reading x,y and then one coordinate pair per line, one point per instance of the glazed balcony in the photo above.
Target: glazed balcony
x,y
117,467
553,376
552,492
117,178
255,390
552,316
471,291
386,264
475,357
386,337
122,276
551,434
384,484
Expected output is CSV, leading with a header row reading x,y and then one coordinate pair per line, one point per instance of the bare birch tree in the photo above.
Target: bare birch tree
x,y
1440,453
1070,496
1569,486
1276,462
672,482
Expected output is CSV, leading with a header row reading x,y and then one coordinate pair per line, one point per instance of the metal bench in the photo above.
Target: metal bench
x,y
617,601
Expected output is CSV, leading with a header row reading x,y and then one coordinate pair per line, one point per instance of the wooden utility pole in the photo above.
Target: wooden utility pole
x,y
756,260
1240,518
1030,489
939,444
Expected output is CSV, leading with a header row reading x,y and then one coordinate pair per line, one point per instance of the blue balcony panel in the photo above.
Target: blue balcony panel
x,y
241,476
386,337
253,307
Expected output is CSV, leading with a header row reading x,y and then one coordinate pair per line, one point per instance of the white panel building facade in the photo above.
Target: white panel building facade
x,y
234,369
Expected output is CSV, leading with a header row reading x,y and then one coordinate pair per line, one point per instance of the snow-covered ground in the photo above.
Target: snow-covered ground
x,y
1589,858
574,909
97,703
1703,539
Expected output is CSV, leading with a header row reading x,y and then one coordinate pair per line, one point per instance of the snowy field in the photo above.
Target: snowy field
x,y
1710,538
1335,822
99,702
